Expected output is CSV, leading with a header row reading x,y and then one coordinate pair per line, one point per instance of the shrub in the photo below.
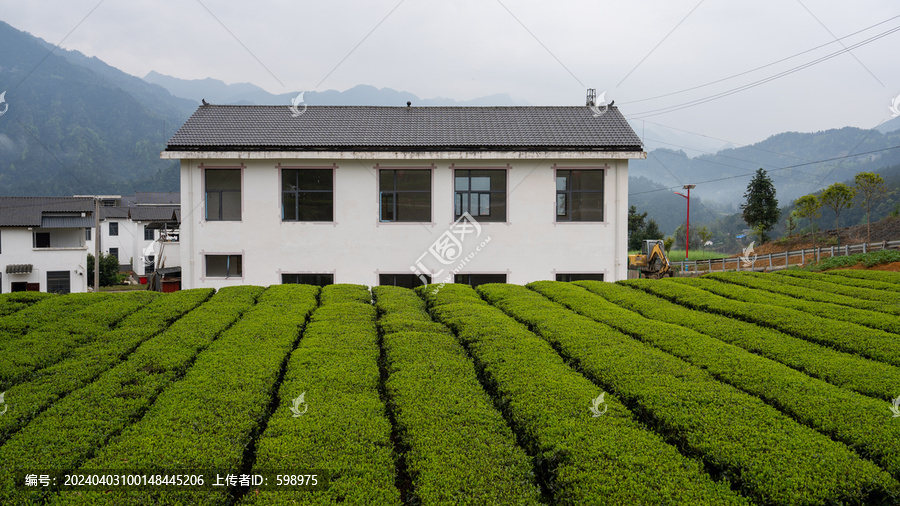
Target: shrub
x,y
864,288
844,336
861,375
460,450
207,419
765,282
771,457
21,357
854,419
122,393
580,457
17,301
720,286
344,431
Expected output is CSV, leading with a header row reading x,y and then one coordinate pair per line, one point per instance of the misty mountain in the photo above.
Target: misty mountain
x,y
218,92
787,157
76,125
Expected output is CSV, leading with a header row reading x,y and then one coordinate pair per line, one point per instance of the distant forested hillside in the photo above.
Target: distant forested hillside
x,y
77,125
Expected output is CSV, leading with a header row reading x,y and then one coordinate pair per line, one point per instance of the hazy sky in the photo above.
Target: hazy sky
x,y
544,53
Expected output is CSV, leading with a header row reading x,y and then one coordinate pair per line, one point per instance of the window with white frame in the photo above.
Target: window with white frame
x,y
223,194
224,266
307,195
481,193
579,194
405,194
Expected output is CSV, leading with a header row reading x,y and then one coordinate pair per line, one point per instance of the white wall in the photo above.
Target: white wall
x,y
17,247
132,245
356,247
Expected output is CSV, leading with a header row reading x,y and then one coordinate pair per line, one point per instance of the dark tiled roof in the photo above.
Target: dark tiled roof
x,y
28,211
51,221
154,213
141,198
113,212
273,128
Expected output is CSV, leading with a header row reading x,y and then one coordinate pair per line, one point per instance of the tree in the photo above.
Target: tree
x,y
109,269
679,235
809,207
636,226
871,188
652,231
705,236
667,243
761,207
838,197
639,229
790,224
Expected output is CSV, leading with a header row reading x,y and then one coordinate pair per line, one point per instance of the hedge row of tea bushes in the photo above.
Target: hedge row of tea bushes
x,y
583,459
17,301
861,422
458,447
761,281
84,363
769,456
52,342
862,288
852,338
881,276
208,419
861,375
781,464
45,311
866,318
76,426
869,284
343,429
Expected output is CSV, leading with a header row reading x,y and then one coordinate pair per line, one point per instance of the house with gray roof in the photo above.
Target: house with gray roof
x,y
140,230
43,243
403,195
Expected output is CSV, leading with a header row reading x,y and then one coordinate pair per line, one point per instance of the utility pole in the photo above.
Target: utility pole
x,y
687,228
96,244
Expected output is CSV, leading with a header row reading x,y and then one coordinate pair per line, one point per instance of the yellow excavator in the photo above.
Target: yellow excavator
x,y
652,262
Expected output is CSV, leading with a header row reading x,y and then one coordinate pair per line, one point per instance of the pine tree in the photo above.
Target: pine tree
x,y
761,207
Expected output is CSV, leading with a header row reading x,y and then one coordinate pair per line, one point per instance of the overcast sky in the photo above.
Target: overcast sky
x,y
543,53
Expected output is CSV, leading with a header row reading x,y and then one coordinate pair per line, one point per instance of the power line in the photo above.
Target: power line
x,y
716,96
668,188
762,66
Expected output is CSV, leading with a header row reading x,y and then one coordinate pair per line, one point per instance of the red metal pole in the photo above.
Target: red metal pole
x,y
687,229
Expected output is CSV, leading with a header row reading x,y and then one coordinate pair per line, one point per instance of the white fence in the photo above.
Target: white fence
x,y
781,260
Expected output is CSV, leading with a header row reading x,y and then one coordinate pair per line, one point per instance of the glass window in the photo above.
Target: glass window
x,y
479,279
114,252
403,280
87,234
148,233
405,194
579,195
481,193
224,266
113,228
42,239
58,282
223,194
307,195
308,279
579,277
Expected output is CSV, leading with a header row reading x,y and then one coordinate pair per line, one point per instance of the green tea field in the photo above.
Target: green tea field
x,y
732,388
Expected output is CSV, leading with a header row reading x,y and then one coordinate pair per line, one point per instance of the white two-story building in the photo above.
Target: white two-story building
x,y
402,195
43,243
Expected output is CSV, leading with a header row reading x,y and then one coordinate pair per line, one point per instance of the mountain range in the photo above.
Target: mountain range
x,y
75,125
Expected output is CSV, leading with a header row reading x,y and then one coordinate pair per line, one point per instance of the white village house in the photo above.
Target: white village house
x,y
372,195
138,230
43,244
